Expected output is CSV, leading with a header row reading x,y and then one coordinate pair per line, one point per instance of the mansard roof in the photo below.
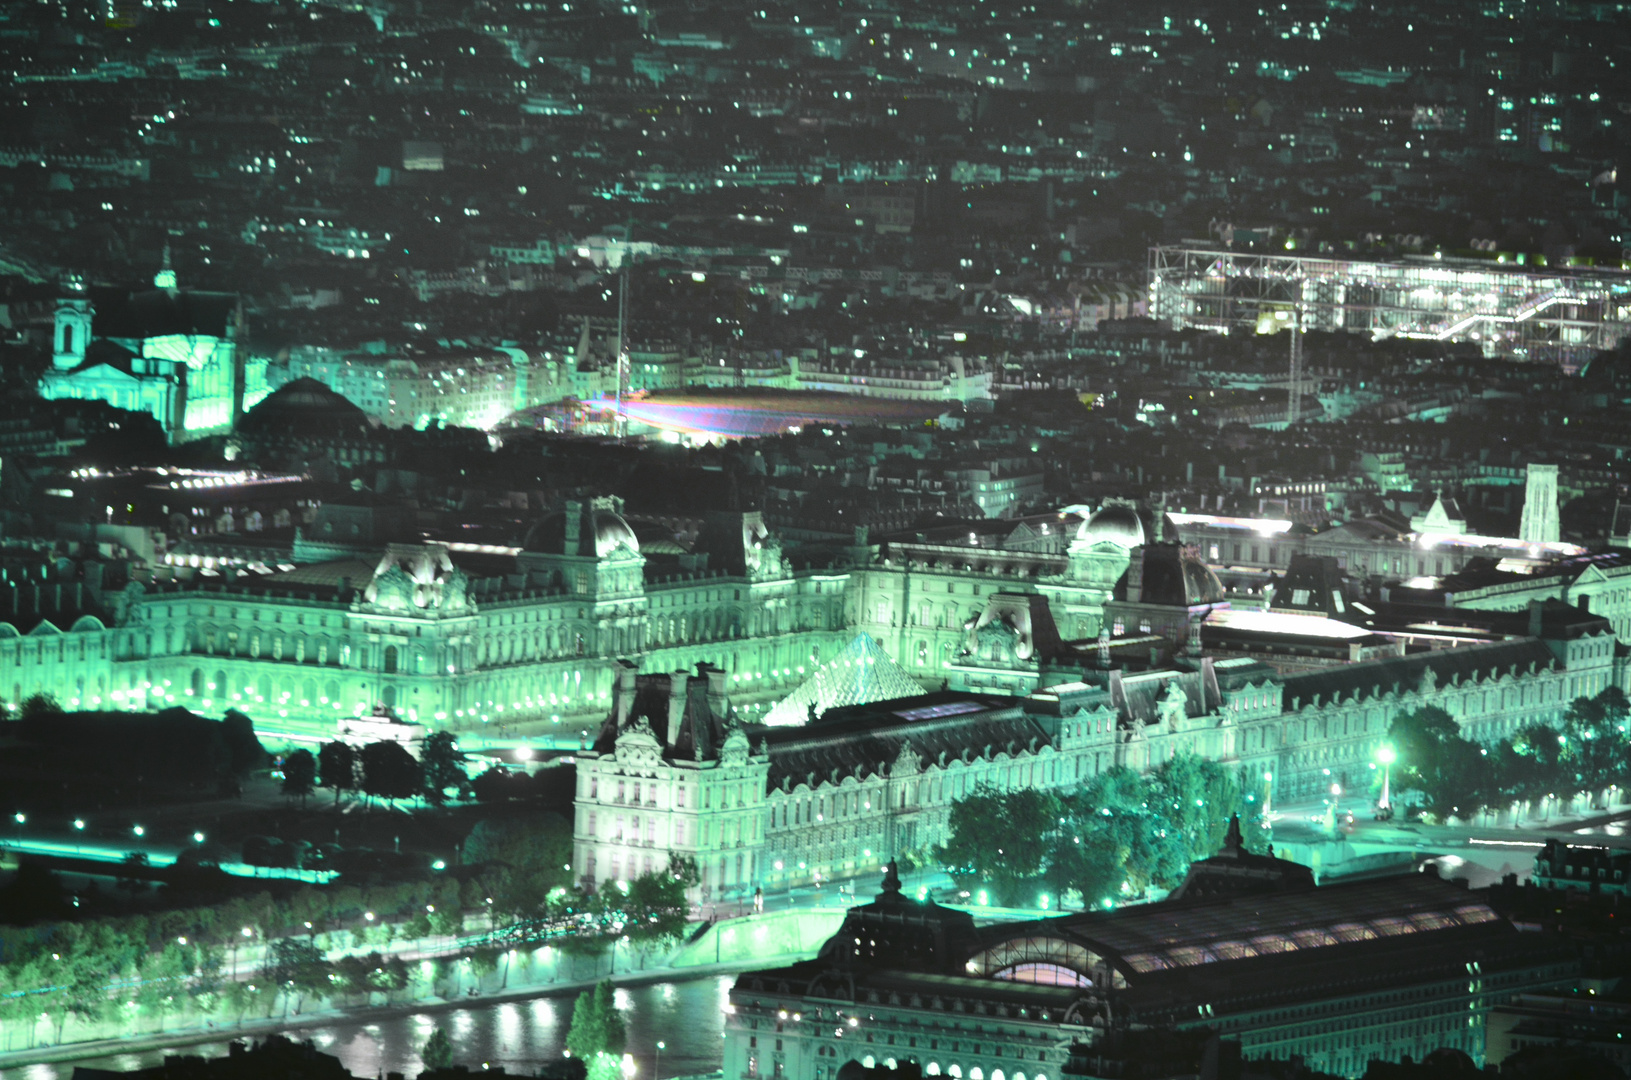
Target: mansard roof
x,y
867,740
1258,950
1171,936
336,581
684,718
341,575
1125,526
1486,573
1237,871
1171,575
1313,585
900,932
1403,674
584,527
731,540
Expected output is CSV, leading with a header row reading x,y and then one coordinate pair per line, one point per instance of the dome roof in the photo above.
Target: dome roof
x,y
1172,576
304,405
1201,582
596,521
1126,527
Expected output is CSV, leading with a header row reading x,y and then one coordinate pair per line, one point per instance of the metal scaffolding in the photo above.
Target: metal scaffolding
x,y
1530,314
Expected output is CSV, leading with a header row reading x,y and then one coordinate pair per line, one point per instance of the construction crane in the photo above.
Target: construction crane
x,y
620,422
1294,407
1271,320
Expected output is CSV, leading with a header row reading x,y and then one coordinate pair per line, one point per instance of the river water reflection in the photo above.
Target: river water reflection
x,y
518,1035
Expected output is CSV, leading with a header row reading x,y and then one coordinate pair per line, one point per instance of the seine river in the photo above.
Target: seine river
x,y
518,1035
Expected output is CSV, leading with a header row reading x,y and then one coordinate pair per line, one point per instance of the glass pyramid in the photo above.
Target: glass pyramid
x,y
861,674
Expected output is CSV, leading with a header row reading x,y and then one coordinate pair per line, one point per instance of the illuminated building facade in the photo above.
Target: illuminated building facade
x,y
457,636
1560,316
398,389
671,772
170,352
840,794
1598,870
1363,546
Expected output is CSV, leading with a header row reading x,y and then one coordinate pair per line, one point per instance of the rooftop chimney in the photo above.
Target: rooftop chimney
x,y
718,701
676,705
1135,576
623,693
574,522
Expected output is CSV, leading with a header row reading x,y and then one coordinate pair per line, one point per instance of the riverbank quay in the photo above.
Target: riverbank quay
x,y
721,948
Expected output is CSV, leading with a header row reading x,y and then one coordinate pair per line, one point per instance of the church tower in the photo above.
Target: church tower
x,y
1540,524
72,334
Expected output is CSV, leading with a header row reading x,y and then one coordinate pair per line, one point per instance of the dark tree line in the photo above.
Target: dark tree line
x,y
1114,837
1448,775
381,770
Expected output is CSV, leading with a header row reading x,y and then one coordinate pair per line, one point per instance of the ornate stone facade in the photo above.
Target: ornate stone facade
x,y
458,636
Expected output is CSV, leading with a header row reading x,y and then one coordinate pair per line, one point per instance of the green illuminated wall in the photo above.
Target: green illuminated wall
x,y
193,384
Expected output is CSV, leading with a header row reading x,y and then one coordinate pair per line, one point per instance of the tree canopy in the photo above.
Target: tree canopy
x,y
528,856
437,1053
1119,835
337,766
299,773
597,1035
389,771
443,764
1448,774
1002,839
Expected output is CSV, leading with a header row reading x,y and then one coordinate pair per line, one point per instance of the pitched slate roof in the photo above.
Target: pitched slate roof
x,y
1400,674
870,739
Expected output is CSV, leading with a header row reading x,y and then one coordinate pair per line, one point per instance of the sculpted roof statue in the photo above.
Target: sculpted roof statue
x,y
418,576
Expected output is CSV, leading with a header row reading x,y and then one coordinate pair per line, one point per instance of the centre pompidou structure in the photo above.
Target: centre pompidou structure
x,y
1561,316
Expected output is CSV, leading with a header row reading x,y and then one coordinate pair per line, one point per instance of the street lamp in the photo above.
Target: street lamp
x,y
1387,757
138,830
19,817
657,1065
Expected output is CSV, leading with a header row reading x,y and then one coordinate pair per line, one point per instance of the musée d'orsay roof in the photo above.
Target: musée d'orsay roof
x,y
1245,932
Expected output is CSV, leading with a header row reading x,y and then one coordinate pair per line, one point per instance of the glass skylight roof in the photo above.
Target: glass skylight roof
x,y
1192,954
